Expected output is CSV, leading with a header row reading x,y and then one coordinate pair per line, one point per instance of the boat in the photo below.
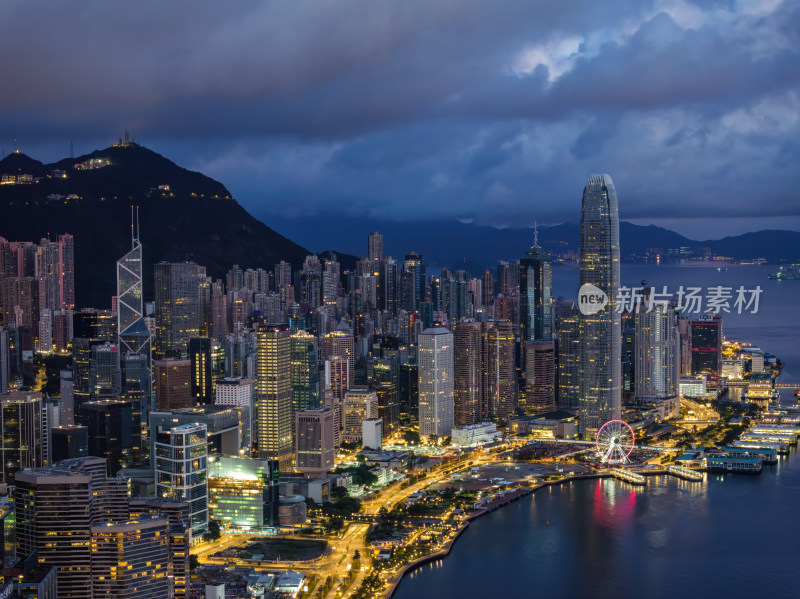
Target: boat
x,y
786,273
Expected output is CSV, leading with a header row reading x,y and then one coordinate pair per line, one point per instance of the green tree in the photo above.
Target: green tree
x,y
411,437
193,562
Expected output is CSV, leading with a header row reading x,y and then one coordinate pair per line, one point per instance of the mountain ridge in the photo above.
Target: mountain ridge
x,y
93,200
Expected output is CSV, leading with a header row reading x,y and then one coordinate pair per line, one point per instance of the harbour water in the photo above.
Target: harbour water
x,y
730,536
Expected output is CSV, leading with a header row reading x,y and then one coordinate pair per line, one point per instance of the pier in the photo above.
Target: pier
x,y
769,455
685,473
628,476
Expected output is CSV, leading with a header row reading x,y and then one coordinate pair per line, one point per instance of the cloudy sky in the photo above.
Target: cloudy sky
x,y
488,111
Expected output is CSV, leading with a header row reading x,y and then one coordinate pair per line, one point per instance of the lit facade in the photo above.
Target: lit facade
x,y
435,363
243,492
130,558
360,404
601,336
273,389
180,457
177,299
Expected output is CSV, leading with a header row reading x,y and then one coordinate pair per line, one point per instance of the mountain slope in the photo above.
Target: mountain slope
x,y
183,215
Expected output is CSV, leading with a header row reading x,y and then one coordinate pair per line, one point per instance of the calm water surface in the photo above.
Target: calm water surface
x,y
731,536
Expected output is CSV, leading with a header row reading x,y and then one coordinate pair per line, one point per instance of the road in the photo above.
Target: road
x,y
341,559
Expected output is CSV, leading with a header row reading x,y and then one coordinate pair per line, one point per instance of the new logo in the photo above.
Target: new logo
x,y
591,299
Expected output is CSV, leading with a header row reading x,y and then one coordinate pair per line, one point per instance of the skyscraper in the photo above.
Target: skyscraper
x,y
201,385
535,294
706,345
412,282
133,334
314,448
540,377
178,307
375,250
181,465
600,332
23,443
435,360
172,384
273,388
305,371
360,403
130,558
657,361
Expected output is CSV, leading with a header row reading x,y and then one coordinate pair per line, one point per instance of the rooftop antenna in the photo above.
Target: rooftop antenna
x,y
133,233
535,235
137,224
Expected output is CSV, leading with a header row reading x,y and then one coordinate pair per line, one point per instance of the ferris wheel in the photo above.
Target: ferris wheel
x,y
615,442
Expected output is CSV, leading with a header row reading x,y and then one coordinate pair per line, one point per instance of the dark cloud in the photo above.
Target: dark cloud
x,y
407,110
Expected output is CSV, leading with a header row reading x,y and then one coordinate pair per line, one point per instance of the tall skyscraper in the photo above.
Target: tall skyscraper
x,y
133,336
173,384
305,371
435,361
130,557
375,250
111,430
657,358
5,359
314,448
54,514
706,345
600,332
66,271
23,443
412,282
469,381
360,403
540,377
201,385
485,371
273,387
57,507
178,306
535,297
181,465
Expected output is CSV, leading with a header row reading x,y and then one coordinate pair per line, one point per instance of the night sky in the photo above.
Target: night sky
x,y
495,112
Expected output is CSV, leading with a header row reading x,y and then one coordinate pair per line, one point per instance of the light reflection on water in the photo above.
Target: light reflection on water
x,y
729,536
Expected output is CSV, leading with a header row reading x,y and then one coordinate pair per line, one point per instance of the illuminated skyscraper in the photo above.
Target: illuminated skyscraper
x,y
273,387
181,465
305,371
133,334
568,341
469,383
657,361
340,344
201,385
600,332
375,250
178,306
173,384
412,283
315,444
535,297
540,377
130,558
435,359
23,443
360,404
706,345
